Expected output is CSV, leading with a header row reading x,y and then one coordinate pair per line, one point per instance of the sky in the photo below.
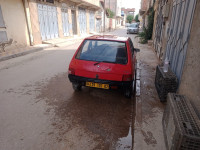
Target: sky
x,y
132,4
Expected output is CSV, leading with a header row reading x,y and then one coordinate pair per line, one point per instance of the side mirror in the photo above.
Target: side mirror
x,y
137,49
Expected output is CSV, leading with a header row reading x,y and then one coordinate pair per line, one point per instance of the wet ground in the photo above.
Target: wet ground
x,y
40,110
148,133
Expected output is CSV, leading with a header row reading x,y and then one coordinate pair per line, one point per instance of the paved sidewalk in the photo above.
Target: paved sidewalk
x,y
22,51
148,133
59,42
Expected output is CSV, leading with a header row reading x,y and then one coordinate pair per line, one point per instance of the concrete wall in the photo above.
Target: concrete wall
x,y
34,22
15,22
111,4
94,2
190,82
165,28
144,4
160,47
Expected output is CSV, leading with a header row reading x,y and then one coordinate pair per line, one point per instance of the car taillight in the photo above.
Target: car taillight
x,y
71,71
127,77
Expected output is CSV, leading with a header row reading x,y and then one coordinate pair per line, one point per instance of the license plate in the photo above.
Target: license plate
x,y
97,85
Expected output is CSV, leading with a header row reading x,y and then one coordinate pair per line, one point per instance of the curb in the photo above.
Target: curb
x,y
36,49
138,111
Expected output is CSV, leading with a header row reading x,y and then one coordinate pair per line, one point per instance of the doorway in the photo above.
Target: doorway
x,y
74,29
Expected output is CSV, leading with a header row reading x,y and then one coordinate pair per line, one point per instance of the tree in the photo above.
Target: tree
x,y
110,13
147,32
136,18
129,18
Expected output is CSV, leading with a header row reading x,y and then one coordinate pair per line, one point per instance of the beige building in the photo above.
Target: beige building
x,y
144,12
115,6
62,19
30,22
13,25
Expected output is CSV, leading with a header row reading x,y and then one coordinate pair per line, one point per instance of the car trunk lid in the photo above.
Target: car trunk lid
x,y
100,70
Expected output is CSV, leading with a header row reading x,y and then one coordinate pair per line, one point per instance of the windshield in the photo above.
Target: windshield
x,y
134,25
103,51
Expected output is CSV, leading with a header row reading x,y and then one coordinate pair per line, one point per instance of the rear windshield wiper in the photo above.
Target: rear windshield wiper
x,y
102,61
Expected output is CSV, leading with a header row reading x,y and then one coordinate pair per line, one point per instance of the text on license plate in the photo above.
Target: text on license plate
x,y
97,85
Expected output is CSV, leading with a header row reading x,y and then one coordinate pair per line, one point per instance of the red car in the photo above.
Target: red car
x,y
106,62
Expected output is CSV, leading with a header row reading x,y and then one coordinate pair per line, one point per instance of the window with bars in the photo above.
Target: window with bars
x,y
48,1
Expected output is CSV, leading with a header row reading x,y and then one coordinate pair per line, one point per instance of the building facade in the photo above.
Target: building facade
x,y
177,37
143,12
13,25
30,22
63,18
127,11
115,6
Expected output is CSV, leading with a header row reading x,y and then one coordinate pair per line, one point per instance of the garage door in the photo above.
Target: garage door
x,y
65,22
82,20
179,33
92,22
47,16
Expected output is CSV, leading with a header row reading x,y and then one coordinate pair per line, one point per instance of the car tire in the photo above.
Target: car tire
x,y
76,86
128,92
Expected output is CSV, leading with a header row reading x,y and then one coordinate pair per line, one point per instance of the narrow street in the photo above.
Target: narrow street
x,y
40,110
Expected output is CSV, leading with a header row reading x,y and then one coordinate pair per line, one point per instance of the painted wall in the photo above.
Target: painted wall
x,y
34,22
190,82
94,2
160,47
15,22
111,4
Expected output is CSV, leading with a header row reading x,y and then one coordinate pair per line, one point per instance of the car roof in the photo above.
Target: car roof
x,y
108,37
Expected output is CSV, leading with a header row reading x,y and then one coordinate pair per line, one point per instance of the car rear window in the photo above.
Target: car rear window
x,y
134,25
103,51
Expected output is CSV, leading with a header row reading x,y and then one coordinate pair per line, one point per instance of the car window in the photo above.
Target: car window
x,y
103,51
131,46
134,25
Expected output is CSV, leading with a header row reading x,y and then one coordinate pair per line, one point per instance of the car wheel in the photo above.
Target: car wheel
x,y
128,92
76,86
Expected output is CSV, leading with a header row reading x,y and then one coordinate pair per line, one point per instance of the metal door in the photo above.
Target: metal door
x,y
92,22
98,25
41,21
47,16
74,22
82,20
55,22
179,33
65,22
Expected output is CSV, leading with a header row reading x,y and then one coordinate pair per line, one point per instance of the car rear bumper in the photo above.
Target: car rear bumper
x,y
83,80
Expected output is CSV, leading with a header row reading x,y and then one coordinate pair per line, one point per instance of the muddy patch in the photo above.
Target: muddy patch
x,y
89,119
